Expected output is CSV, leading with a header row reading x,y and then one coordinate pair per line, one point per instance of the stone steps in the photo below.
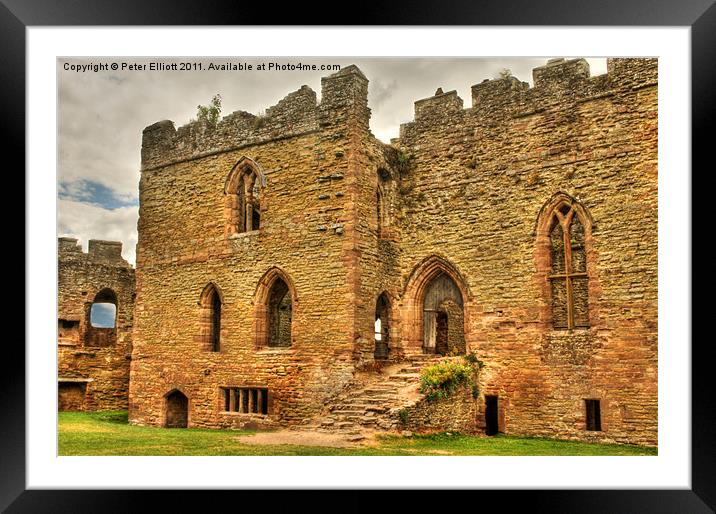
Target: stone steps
x,y
371,401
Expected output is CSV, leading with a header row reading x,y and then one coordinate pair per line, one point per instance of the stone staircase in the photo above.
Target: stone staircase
x,y
372,400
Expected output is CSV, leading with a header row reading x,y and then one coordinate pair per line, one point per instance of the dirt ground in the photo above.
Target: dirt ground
x,y
308,438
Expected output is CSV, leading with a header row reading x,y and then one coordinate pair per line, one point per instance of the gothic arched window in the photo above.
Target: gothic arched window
x,y
568,268
244,188
210,322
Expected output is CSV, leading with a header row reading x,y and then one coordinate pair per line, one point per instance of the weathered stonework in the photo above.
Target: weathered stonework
x,y
93,363
463,196
457,413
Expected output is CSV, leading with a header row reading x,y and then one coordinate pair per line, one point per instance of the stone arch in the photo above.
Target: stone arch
x,y
176,409
99,336
557,199
565,273
275,301
211,302
244,202
414,296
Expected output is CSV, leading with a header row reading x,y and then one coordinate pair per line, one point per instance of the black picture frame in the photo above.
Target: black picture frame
x,y
700,15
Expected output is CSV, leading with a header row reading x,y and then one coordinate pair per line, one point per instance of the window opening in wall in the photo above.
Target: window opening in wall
x,y
381,328
246,202
215,322
594,416
245,400
210,318
101,320
568,273
491,423
280,314
68,331
103,315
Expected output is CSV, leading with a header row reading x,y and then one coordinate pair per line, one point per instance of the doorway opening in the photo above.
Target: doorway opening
x,y
177,407
491,423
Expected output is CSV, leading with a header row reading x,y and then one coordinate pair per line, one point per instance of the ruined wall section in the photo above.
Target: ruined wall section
x,y
481,175
100,375
163,144
309,157
377,242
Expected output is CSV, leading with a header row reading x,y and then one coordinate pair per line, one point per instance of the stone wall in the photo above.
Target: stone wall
x,y
93,363
458,412
481,181
308,154
464,192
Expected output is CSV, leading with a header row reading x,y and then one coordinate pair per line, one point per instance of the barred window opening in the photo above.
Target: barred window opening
x,y
245,400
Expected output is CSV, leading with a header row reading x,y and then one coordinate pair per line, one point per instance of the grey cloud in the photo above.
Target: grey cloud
x,y
101,115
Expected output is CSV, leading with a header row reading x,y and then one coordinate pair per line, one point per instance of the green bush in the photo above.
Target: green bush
x,y
210,112
404,417
440,380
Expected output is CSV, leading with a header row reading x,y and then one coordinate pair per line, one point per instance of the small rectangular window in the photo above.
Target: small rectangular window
x,y
245,400
594,417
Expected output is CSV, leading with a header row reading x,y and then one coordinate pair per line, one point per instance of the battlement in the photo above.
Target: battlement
x,y
99,251
296,114
558,82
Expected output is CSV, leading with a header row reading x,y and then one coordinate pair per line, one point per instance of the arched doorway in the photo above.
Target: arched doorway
x,y
382,328
177,410
443,320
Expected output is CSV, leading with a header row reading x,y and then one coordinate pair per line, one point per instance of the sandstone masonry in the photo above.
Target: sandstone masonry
x,y
93,362
522,229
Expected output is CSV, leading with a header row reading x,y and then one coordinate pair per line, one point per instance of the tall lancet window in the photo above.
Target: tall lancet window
x,y
568,269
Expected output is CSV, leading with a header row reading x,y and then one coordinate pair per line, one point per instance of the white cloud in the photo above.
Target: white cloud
x,y
85,221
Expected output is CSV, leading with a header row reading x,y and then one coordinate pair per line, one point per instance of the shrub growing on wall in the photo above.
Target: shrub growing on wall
x,y
442,379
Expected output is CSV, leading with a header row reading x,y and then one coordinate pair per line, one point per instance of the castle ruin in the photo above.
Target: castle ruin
x,y
279,256
93,347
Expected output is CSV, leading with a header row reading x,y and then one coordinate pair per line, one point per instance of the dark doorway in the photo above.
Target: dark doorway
x,y
491,424
594,416
441,333
177,410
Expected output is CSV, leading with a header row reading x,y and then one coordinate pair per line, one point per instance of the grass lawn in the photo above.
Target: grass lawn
x,y
107,433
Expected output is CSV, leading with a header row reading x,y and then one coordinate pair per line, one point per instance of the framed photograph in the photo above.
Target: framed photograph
x,y
187,144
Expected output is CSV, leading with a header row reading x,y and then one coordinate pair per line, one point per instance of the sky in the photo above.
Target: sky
x,y
103,315
101,116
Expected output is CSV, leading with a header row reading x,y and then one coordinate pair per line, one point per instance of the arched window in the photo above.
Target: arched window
x,y
568,268
382,327
280,307
244,187
102,319
210,322
275,303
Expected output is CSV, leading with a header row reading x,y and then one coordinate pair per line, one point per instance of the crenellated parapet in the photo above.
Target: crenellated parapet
x,y
98,252
559,83
296,114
